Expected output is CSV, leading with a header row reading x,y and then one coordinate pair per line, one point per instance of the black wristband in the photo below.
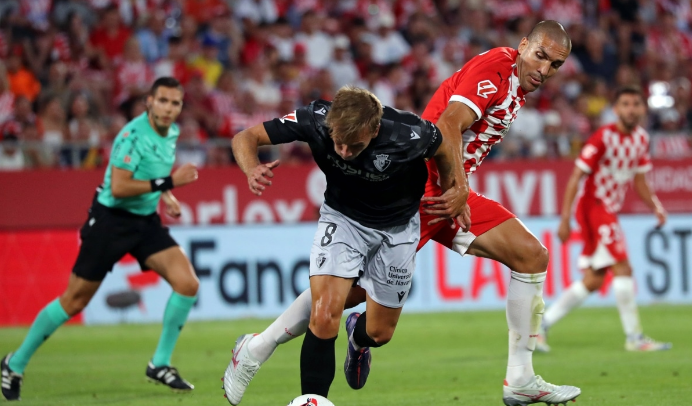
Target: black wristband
x,y
161,184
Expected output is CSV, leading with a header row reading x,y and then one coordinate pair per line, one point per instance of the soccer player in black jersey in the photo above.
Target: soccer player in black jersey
x,y
369,227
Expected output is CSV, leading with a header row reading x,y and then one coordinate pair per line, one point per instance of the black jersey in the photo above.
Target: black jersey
x,y
383,185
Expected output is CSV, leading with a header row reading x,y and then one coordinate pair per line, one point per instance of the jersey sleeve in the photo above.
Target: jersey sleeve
x,y
125,154
591,153
291,127
479,88
431,141
644,163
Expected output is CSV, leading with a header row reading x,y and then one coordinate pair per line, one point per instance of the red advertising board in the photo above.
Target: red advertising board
x,y
59,199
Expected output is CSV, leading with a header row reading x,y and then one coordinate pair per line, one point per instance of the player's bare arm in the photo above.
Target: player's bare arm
x,y
245,145
641,186
564,230
456,119
123,185
453,182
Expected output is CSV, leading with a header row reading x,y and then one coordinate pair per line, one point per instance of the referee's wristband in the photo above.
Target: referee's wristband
x,y
161,184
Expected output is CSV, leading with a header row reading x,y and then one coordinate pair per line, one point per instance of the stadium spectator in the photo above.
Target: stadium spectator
x,y
318,45
342,68
22,81
11,156
389,45
153,38
110,37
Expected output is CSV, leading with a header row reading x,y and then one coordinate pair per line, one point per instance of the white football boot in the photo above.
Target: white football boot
x,y
240,371
644,343
538,391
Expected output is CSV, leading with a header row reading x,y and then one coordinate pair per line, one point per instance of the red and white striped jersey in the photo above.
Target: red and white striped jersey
x,y
489,85
611,159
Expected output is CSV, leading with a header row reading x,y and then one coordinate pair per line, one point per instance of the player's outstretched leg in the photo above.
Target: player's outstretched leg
x,y
252,350
357,364
11,381
513,245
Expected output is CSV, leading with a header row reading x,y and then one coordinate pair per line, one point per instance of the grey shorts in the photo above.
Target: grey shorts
x,y
383,260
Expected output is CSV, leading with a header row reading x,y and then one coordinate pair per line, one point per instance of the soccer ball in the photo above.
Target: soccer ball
x,y
310,400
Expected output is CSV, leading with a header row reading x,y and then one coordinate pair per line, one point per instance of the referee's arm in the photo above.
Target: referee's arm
x,y
122,184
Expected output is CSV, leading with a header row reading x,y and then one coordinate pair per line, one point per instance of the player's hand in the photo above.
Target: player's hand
x,y
564,231
259,178
184,175
661,216
172,204
448,207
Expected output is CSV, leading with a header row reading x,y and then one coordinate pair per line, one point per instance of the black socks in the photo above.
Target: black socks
x,y
317,364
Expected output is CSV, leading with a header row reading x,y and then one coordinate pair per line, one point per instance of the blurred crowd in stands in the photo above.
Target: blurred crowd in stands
x,y
73,72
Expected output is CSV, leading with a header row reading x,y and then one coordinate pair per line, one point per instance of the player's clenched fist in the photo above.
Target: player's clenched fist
x,y
184,175
259,177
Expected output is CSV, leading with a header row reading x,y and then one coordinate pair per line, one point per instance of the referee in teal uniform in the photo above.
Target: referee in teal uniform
x,y
123,219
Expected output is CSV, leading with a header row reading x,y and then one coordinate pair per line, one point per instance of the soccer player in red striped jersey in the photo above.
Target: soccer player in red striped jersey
x,y
474,108
614,156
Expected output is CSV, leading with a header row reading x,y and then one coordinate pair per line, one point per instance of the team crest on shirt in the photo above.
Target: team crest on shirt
x,y
321,258
381,162
486,87
289,117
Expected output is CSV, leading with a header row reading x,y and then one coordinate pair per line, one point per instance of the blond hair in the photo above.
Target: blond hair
x,y
353,110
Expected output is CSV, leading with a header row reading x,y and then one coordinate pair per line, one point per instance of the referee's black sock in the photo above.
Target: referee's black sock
x,y
360,335
317,364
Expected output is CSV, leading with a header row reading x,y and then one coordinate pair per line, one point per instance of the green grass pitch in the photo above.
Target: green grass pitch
x,y
434,359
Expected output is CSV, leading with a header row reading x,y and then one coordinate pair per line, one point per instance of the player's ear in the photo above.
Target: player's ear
x,y
523,45
149,101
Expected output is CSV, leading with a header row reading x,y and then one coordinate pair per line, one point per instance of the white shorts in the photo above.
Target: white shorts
x,y
383,261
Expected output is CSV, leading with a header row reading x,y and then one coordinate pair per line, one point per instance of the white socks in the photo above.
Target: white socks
x,y
574,296
524,313
623,288
291,324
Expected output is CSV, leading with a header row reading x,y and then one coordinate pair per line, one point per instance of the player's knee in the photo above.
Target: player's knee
x,y
187,285
324,322
73,304
534,258
381,335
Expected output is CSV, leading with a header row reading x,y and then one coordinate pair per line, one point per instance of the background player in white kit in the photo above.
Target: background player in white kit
x,y
615,155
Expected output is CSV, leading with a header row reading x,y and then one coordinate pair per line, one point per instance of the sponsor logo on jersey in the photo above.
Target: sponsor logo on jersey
x,y
321,259
322,111
381,162
127,159
486,87
289,117
414,136
126,134
350,170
